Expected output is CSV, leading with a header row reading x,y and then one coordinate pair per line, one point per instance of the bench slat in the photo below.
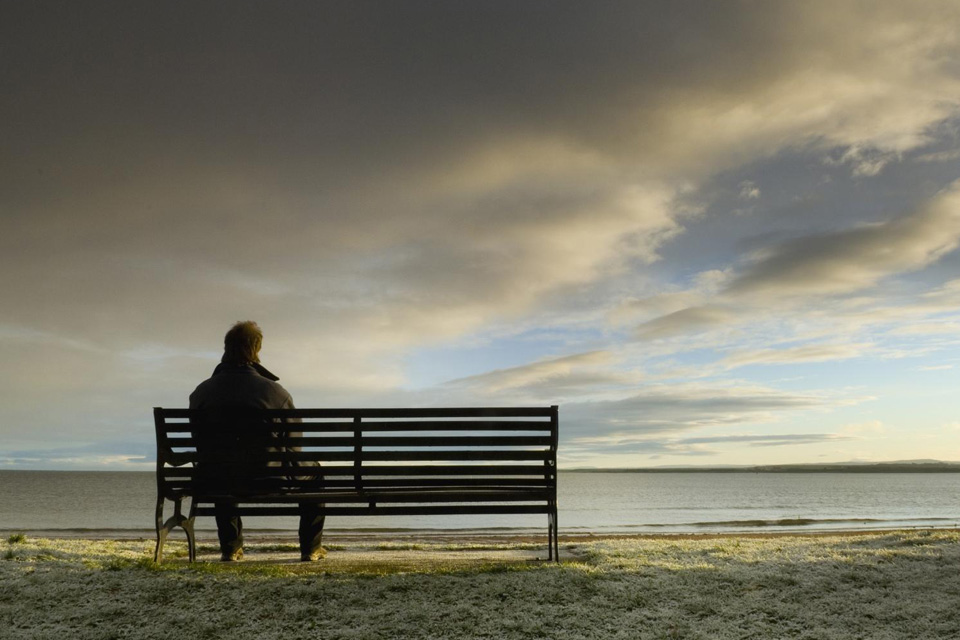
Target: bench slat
x,y
383,456
406,425
390,470
398,441
381,483
403,412
349,497
422,510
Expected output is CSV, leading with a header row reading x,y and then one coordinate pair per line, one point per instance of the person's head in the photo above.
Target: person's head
x,y
241,345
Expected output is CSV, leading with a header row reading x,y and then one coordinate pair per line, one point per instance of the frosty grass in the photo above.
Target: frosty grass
x,y
885,585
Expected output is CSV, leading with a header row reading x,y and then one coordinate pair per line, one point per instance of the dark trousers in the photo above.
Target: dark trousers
x,y
230,528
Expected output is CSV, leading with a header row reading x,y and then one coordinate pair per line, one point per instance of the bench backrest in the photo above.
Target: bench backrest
x,y
358,449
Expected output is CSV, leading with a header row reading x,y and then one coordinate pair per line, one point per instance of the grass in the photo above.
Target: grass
x,y
16,538
884,585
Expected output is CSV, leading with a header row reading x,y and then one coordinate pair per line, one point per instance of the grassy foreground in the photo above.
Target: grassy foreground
x,y
884,585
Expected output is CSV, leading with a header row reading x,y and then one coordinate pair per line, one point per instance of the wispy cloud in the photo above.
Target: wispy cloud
x,y
792,355
676,408
105,455
777,440
870,428
686,320
552,377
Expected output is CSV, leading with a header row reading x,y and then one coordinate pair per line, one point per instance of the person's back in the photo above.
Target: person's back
x,y
240,382
240,386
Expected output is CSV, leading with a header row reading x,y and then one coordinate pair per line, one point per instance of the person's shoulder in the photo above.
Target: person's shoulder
x,y
279,391
269,391
198,394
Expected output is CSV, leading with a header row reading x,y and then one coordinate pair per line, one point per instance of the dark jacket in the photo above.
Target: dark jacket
x,y
242,386
229,391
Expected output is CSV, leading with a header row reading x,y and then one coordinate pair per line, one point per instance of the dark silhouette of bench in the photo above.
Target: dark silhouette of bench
x,y
356,462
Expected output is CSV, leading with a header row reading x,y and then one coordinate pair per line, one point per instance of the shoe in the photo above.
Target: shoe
x,y
232,557
314,556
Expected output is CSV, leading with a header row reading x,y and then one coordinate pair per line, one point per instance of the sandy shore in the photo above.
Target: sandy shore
x,y
899,584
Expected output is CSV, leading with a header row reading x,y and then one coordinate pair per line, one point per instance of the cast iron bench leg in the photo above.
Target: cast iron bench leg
x,y
188,529
554,536
550,525
164,528
161,532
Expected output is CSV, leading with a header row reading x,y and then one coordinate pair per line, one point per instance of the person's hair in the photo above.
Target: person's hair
x,y
241,345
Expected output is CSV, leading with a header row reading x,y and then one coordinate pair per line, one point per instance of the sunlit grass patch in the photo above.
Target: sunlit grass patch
x,y
453,546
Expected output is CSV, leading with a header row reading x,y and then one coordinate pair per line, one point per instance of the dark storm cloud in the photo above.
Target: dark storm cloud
x,y
328,81
383,152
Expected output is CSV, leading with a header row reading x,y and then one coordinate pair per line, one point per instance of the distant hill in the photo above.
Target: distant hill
x,y
898,466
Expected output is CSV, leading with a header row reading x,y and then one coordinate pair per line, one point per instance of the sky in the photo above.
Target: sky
x,y
712,232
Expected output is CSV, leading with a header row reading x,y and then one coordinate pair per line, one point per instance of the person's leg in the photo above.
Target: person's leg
x,y
229,530
311,531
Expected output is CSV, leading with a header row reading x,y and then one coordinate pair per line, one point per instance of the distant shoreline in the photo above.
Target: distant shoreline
x,y
881,467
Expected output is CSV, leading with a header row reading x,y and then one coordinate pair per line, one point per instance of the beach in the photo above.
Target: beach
x,y
884,584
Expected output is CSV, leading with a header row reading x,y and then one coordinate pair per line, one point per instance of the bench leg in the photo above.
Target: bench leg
x,y
161,532
551,523
188,529
165,527
554,535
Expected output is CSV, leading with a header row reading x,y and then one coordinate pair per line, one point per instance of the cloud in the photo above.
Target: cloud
x,y
777,440
792,355
782,288
865,162
139,456
554,377
749,190
938,156
654,306
365,183
669,410
686,320
870,428
854,259
928,328
415,193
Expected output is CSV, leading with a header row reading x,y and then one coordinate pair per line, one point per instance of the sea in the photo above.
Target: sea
x,y
121,504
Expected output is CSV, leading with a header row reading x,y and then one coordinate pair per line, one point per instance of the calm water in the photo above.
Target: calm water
x,y
123,503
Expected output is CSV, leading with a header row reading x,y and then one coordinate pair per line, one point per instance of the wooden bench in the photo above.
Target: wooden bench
x,y
358,462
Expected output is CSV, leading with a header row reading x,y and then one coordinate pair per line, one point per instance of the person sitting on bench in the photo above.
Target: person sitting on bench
x,y
240,381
